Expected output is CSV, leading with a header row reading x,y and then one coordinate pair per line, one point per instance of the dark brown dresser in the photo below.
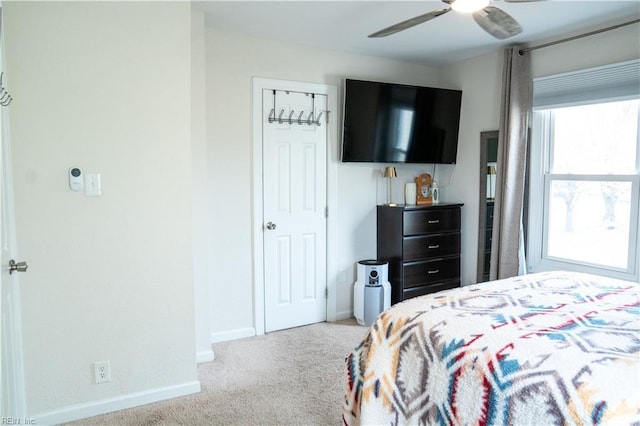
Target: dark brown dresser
x,y
422,246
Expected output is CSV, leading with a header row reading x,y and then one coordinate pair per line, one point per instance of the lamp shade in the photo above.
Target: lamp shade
x,y
390,172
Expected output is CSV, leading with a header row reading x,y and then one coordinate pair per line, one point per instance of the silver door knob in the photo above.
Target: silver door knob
x,y
271,226
17,267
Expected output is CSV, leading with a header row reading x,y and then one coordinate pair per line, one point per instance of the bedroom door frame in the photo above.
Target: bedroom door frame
x,y
260,84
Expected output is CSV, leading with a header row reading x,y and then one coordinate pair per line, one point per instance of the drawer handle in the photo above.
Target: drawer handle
x,y
435,271
434,221
435,246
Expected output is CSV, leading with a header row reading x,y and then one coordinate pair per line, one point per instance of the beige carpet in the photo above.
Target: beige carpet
x,y
288,377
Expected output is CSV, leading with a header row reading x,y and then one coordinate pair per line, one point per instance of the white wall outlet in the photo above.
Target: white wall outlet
x,y
102,371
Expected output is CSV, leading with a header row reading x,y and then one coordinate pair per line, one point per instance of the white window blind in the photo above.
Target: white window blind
x,y
618,81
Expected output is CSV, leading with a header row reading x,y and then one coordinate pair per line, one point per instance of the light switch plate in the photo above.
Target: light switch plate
x,y
93,186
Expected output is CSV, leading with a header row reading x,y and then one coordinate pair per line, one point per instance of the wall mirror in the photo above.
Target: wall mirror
x,y
487,191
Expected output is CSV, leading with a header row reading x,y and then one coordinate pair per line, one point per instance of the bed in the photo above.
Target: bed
x,y
540,349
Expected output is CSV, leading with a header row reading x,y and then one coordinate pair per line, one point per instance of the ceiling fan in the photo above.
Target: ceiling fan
x,y
493,20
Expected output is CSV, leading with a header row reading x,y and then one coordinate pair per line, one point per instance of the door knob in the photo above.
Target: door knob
x,y
271,226
17,267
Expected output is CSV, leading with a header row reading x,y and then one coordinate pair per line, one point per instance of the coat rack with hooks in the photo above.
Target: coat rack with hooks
x,y
5,97
296,118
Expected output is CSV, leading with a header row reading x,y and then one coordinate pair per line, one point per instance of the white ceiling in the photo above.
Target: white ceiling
x,y
345,25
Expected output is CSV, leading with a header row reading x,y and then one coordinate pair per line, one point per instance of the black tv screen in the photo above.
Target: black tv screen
x,y
397,123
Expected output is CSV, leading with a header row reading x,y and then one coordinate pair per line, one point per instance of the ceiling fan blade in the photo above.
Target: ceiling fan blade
x,y
497,22
409,23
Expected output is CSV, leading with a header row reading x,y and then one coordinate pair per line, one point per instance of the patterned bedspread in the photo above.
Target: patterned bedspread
x,y
540,349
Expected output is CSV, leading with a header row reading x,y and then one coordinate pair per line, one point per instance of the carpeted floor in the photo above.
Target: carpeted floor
x,y
288,377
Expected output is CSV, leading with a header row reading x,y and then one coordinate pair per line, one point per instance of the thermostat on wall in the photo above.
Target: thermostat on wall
x,y
75,179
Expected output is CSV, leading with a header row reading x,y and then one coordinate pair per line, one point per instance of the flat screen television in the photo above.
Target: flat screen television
x,y
397,123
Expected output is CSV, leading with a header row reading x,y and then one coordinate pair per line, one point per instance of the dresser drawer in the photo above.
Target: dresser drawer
x,y
430,221
431,271
430,246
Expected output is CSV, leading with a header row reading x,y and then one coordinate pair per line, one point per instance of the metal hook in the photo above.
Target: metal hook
x,y
290,115
272,115
318,119
300,117
310,119
280,116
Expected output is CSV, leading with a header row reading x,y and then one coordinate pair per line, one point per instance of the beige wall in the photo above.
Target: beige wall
x,y
618,45
103,86
201,224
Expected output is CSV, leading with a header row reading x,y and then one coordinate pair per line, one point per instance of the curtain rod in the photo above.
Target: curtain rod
x,y
529,49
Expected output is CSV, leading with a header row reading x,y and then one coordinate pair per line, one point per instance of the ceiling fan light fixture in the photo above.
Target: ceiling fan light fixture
x,y
469,6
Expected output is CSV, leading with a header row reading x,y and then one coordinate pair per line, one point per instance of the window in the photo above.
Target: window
x,y
585,180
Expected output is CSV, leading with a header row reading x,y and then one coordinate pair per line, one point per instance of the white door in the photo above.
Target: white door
x,y
294,205
12,403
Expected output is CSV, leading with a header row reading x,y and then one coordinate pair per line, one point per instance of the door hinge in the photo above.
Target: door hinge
x,y
326,211
326,292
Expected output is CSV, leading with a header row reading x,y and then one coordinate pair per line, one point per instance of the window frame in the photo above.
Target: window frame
x,y
541,178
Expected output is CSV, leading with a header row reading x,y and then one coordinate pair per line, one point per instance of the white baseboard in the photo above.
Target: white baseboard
x,y
204,356
95,408
239,333
344,315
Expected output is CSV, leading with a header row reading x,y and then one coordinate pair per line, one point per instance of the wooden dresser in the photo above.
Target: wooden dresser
x,y
422,246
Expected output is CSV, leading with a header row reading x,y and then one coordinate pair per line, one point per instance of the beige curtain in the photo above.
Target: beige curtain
x,y
506,254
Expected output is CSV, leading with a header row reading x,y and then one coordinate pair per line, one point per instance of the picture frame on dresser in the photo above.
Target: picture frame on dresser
x,y
422,245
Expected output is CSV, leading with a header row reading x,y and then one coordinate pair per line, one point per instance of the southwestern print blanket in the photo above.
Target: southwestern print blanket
x,y
540,349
